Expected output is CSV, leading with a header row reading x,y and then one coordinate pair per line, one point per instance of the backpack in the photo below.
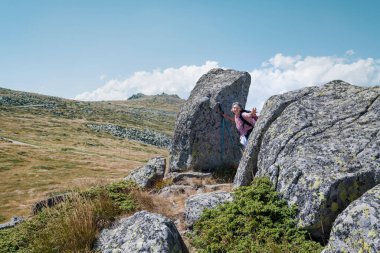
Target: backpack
x,y
246,122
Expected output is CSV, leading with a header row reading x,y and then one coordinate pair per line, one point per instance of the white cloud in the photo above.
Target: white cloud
x,y
103,77
277,75
285,73
178,81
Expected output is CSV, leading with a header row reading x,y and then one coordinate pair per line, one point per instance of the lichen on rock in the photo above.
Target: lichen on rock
x,y
320,146
202,140
146,175
196,204
357,228
142,232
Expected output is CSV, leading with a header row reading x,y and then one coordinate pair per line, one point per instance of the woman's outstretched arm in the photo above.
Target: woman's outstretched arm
x,y
226,116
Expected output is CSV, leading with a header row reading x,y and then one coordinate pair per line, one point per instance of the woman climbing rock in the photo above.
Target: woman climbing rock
x,y
244,120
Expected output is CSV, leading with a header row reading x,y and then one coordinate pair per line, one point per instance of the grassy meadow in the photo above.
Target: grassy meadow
x,y
46,147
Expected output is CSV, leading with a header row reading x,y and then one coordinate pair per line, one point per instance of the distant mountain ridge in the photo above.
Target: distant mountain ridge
x,y
14,97
163,94
155,111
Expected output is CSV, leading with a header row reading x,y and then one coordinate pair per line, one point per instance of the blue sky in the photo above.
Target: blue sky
x,y
66,48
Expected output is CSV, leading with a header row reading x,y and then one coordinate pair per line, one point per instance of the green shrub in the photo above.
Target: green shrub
x,y
258,220
17,239
120,192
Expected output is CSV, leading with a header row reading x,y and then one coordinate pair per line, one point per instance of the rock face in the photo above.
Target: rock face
x,y
357,229
142,232
202,140
145,176
320,146
196,204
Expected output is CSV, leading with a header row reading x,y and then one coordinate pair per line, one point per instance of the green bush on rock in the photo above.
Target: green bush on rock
x,y
258,220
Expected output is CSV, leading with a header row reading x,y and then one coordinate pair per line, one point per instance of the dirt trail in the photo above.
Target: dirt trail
x,y
17,142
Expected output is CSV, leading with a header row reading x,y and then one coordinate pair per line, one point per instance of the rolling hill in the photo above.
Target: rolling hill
x,y
47,144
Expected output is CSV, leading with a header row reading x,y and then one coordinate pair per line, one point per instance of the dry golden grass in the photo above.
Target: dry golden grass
x,y
41,155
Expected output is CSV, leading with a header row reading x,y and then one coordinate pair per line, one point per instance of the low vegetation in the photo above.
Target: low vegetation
x,y
258,220
73,226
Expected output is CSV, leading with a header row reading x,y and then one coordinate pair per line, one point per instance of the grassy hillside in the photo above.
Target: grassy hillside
x,y
46,146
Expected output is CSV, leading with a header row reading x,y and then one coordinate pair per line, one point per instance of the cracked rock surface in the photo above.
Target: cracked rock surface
x,y
196,204
357,228
146,175
202,140
320,146
142,232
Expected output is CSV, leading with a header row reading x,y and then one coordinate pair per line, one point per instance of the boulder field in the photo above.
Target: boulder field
x,y
320,146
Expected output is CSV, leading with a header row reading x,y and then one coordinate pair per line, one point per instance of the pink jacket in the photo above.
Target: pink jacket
x,y
241,126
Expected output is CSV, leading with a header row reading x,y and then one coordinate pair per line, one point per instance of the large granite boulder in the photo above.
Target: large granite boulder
x,y
196,204
203,140
142,232
320,146
357,228
148,174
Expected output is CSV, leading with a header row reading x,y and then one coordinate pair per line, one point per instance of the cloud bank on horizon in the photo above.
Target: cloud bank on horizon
x,y
277,75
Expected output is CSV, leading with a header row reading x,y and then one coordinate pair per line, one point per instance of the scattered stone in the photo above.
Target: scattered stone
x,y
320,146
184,176
218,187
203,140
148,174
196,204
145,136
13,222
49,202
357,228
142,232
176,190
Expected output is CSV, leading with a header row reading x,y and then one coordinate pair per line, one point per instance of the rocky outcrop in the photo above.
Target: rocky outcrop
x,y
136,96
185,176
202,140
320,146
142,232
13,222
146,136
49,202
196,204
175,190
357,228
188,190
153,171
